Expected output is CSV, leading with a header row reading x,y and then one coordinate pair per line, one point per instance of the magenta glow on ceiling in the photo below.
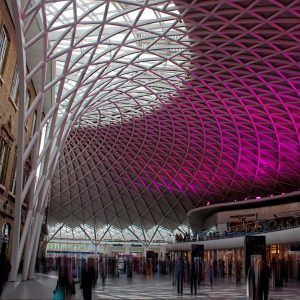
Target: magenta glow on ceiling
x,y
229,131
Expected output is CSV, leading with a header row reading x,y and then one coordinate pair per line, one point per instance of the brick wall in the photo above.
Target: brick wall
x,y
9,119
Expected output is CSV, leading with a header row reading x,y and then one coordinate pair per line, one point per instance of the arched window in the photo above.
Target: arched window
x,y
5,233
6,230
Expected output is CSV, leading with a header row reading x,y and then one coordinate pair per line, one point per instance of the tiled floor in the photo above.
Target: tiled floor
x,y
143,287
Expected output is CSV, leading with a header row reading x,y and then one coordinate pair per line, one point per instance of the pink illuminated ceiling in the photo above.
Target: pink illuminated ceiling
x,y
229,130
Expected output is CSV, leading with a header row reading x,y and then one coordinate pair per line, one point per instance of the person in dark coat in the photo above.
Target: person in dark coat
x,y
211,271
238,271
265,275
2,275
102,270
94,269
194,276
63,288
180,274
87,280
5,268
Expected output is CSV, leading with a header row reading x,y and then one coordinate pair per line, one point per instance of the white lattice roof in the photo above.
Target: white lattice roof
x,y
164,106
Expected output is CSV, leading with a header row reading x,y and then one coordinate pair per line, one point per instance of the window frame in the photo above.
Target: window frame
x,y
3,59
6,141
27,105
12,187
14,89
34,120
4,158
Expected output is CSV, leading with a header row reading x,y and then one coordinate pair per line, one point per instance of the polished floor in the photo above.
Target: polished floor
x,y
143,287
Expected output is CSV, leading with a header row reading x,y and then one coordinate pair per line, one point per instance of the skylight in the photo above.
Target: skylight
x,y
123,53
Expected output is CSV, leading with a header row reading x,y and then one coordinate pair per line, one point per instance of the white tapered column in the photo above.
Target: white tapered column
x,y
17,12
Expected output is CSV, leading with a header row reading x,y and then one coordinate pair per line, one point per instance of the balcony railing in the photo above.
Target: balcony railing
x,y
277,223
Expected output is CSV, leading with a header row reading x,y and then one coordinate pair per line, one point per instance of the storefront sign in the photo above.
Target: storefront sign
x,y
244,218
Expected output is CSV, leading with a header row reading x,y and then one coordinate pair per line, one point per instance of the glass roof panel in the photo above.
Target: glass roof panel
x,y
131,40
110,233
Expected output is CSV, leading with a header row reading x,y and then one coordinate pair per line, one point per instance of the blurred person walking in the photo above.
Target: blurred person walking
x,y
87,280
63,288
179,270
5,268
265,275
102,270
194,276
211,271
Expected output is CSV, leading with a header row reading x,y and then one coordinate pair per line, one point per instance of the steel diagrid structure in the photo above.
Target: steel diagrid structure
x,y
160,107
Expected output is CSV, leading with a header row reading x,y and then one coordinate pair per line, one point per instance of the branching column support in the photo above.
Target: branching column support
x,y
33,200
34,238
144,243
95,237
104,234
56,232
41,208
83,230
151,240
20,163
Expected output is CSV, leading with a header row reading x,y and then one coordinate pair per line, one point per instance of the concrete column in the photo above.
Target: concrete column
x,y
162,253
127,249
145,250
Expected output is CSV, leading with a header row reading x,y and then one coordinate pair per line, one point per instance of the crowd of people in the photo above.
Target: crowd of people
x,y
183,237
85,272
191,274
258,278
262,273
